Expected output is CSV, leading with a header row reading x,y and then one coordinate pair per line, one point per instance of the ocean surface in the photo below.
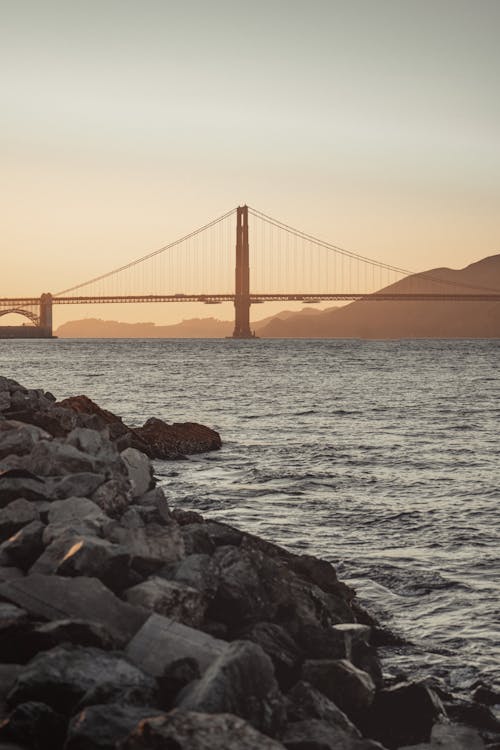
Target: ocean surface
x,y
382,457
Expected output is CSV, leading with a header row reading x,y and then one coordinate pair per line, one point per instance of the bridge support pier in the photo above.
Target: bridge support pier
x,y
242,277
46,314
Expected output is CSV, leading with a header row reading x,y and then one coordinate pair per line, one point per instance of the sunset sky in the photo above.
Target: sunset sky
x,y
125,124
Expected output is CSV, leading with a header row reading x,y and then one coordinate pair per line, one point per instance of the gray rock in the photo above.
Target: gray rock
x,y
162,641
16,483
155,498
82,484
74,510
197,731
15,515
54,597
197,540
101,727
169,598
25,546
86,556
313,734
281,649
241,681
139,469
197,570
349,688
78,632
452,737
113,497
62,676
14,439
150,547
305,702
55,458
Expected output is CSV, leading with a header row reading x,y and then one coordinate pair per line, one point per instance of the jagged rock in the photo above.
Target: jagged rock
x,y
62,676
53,597
16,483
36,724
113,497
155,499
15,515
198,571
169,598
313,734
403,715
27,642
139,469
81,484
175,678
197,731
184,517
78,555
241,681
305,702
254,587
150,546
101,727
171,440
25,546
83,405
15,438
349,688
281,649
196,538
162,641
55,458
77,513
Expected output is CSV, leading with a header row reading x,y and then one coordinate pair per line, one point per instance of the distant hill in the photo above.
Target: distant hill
x,y
392,320
199,328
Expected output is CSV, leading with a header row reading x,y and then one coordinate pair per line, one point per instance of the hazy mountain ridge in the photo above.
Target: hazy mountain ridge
x,y
364,319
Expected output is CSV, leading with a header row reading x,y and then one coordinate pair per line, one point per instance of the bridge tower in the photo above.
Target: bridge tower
x,y
46,314
242,280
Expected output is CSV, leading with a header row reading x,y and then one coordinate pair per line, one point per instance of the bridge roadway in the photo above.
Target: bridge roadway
x,y
21,302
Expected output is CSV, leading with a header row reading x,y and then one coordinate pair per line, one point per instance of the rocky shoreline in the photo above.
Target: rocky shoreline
x,y
127,624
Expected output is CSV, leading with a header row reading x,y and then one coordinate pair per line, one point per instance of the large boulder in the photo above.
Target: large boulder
x,y
15,515
351,689
281,649
54,597
151,546
175,600
171,440
16,483
23,547
161,641
403,715
139,470
303,702
197,731
242,682
63,676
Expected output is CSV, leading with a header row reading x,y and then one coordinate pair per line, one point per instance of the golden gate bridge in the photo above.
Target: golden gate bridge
x,y
212,265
